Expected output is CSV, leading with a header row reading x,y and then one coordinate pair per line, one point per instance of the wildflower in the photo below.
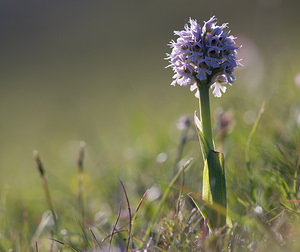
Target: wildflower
x,y
203,56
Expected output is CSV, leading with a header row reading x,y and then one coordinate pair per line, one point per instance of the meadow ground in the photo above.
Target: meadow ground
x,y
60,86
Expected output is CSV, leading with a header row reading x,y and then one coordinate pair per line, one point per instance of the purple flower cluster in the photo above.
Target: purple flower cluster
x,y
204,56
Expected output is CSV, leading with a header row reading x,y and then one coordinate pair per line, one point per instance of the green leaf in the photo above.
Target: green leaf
x,y
214,189
205,148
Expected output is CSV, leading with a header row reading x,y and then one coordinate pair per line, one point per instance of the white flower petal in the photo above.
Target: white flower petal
x,y
218,87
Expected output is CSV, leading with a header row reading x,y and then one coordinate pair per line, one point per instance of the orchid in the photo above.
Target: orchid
x,y
203,56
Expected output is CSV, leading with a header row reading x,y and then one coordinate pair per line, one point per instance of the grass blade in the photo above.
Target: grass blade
x,y
252,132
80,180
65,244
94,236
115,225
129,213
138,207
42,172
162,201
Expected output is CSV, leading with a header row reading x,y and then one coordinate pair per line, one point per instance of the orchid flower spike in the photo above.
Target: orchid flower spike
x,y
203,56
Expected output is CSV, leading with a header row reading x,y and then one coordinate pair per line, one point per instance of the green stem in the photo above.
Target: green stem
x,y
214,184
205,115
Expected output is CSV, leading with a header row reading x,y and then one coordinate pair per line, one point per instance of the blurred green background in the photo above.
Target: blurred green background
x,y
95,71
